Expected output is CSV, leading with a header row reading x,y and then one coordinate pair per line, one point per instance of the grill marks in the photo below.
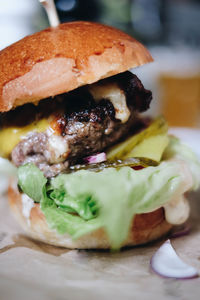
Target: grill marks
x,y
137,96
85,126
80,107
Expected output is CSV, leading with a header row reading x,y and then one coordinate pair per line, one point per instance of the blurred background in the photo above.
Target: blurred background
x,y
169,28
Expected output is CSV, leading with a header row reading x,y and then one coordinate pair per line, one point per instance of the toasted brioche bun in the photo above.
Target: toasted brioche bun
x,y
58,60
145,227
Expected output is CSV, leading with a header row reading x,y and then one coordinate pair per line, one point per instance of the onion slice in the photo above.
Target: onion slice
x,y
181,230
166,263
97,158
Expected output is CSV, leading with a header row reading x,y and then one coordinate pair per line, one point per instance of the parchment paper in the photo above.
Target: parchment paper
x,y
32,270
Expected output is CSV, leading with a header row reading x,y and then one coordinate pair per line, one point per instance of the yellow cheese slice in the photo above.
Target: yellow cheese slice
x,y
11,136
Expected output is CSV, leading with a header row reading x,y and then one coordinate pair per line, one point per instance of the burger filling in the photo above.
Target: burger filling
x,y
145,169
79,123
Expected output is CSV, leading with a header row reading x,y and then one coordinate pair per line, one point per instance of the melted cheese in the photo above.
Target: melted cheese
x,y
11,136
116,96
57,148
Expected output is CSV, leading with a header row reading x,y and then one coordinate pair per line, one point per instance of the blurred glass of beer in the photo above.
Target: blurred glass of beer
x,y
181,99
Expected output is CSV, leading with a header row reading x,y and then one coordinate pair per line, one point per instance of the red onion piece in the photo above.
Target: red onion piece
x,y
166,263
138,168
97,158
180,231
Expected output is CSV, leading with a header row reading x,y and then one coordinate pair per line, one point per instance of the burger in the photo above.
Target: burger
x,y
92,171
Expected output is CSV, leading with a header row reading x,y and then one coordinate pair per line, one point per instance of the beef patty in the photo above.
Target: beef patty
x,y
81,124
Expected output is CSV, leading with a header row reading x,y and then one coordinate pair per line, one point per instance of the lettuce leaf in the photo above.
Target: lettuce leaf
x,y
84,206
177,149
63,221
32,181
120,194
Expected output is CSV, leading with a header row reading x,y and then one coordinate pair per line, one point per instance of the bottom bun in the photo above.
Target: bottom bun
x,y
145,227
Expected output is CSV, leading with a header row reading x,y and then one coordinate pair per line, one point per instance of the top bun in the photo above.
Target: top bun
x,y
58,60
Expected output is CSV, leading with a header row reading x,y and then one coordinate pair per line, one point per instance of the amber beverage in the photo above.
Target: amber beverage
x,y
181,100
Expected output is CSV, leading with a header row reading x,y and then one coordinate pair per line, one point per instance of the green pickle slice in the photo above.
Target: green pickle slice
x,y
129,162
149,143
